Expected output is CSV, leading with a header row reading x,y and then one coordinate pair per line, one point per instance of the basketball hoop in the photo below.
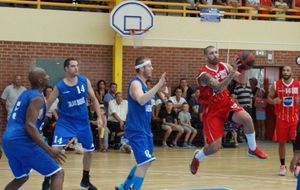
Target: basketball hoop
x,y
137,36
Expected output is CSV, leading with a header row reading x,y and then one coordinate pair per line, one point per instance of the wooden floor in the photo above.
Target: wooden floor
x,y
230,168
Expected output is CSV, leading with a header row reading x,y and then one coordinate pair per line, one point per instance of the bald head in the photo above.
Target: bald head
x,y
38,77
286,72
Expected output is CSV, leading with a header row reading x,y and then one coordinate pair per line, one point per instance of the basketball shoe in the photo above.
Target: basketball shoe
x,y
121,187
87,185
257,153
282,170
195,163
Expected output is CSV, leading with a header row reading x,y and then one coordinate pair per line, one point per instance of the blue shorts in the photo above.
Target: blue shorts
x,y
23,157
65,130
260,115
142,147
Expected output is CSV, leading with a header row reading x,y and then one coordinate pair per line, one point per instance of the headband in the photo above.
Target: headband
x,y
143,64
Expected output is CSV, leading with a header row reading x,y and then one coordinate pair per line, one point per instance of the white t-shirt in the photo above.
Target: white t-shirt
x,y
10,95
120,109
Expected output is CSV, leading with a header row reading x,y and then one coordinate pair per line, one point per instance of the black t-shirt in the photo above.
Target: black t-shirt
x,y
169,116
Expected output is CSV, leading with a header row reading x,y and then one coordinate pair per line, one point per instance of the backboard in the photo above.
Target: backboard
x,y
131,16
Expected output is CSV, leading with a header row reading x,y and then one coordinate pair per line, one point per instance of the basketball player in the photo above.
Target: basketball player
x,y
213,79
22,143
138,130
73,120
296,159
284,96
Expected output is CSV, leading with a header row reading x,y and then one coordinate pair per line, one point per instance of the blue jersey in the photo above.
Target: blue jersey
x,y
15,128
139,116
72,100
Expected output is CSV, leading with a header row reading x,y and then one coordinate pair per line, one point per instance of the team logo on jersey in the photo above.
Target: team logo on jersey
x,y
295,90
288,101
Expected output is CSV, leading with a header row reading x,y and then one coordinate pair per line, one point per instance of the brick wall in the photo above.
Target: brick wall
x,y
96,61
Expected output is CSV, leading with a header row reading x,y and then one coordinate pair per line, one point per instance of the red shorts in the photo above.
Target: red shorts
x,y
285,131
215,116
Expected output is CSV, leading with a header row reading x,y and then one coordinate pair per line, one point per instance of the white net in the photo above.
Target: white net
x,y
137,37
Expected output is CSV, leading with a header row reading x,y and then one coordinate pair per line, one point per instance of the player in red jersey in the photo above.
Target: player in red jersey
x,y
213,79
284,95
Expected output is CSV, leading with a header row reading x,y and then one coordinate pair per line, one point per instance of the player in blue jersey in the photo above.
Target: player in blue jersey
x,y
138,124
73,120
22,142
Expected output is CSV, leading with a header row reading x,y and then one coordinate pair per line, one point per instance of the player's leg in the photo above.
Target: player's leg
x,y
57,180
142,147
84,136
281,152
213,124
244,118
16,183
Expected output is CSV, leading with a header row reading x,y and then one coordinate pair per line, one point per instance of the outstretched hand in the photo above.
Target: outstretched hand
x,y
58,155
162,80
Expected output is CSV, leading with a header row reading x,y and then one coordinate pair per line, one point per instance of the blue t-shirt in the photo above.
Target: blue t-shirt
x,y
72,100
15,127
139,116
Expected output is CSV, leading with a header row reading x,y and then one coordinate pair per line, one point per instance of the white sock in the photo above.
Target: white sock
x,y
200,155
251,141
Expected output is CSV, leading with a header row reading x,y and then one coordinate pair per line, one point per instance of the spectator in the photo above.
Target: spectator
x,y
100,91
117,113
235,4
185,121
11,94
103,132
281,4
254,4
110,95
268,5
169,124
260,104
187,91
49,125
193,7
196,111
177,100
229,128
296,5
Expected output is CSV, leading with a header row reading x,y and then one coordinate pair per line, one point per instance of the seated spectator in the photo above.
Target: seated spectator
x,y
177,100
296,5
117,113
268,5
196,110
229,128
234,3
184,118
254,4
193,7
187,91
260,104
110,95
100,91
281,4
51,117
169,124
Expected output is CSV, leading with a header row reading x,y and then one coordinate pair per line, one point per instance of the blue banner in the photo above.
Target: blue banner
x,y
210,15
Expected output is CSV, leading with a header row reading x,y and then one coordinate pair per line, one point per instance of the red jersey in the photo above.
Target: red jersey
x,y
207,94
288,109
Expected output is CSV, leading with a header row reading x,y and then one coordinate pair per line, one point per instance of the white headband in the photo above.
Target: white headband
x,y
143,64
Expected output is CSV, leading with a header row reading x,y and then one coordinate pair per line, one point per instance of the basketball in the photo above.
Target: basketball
x,y
247,60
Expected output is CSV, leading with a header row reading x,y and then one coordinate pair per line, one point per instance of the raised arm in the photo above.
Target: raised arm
x,y
137,93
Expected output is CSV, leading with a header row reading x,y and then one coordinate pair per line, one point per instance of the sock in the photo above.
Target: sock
x,y
282,161
86,175
251,141
129,178
137,182
200,155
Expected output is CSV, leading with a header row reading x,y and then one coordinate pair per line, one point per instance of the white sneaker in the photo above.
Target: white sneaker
x,y
282,171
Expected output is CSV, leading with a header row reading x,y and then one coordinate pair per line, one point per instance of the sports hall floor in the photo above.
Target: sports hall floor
x,y
230,168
